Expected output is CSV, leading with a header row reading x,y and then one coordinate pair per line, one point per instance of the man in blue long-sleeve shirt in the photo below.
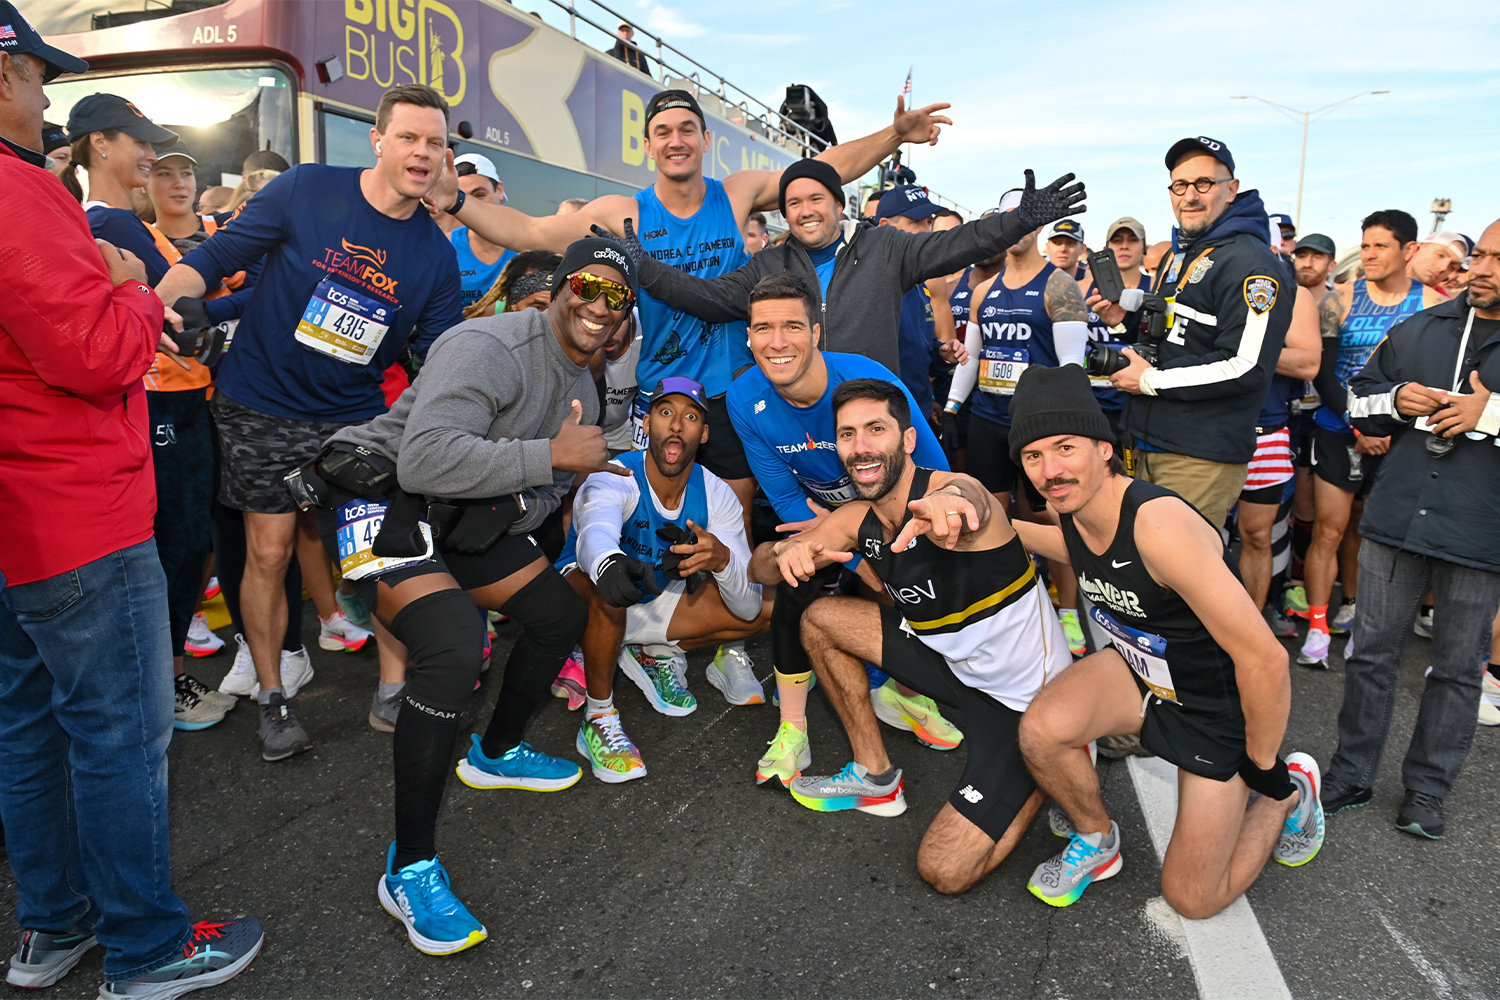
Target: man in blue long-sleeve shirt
x,y
355,269
782,410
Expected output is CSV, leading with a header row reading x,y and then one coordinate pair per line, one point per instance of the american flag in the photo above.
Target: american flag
x,y
906,90
7,32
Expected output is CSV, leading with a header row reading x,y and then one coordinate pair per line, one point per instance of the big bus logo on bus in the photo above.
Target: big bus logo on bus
x,y
376,44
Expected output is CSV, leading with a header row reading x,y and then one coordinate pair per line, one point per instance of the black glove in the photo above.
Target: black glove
x,y
1274,783
1057,200
200,339
950,435
401,530
632,242
622,580
481,523
670,561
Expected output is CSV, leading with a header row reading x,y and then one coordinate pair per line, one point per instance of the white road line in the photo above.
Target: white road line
x,y
1229,954
1439,982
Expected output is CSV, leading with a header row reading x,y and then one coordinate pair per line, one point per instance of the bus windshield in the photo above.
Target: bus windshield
x,y
223,115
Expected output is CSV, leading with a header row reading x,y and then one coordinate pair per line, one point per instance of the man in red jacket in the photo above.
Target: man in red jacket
x,y
85,657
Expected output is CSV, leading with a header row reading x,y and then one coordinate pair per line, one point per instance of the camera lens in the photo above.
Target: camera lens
x,y
1103,361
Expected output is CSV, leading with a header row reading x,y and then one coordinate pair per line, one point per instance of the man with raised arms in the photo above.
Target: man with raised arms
x,y
1192,668
661,557
970,623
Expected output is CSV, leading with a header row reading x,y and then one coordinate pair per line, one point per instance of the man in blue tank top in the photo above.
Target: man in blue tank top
x,y
662,558
1032,313
1354,319
479,261
692,223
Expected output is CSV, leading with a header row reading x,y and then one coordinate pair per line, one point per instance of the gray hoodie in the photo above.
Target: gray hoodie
x,y
479,420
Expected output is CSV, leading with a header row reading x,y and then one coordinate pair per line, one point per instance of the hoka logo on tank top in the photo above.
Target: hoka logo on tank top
x,y
706,245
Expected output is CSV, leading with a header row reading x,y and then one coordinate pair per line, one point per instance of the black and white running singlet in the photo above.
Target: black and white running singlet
x,y
985,611
1154,629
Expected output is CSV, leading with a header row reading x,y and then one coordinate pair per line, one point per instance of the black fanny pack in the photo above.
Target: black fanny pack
x,y
358,471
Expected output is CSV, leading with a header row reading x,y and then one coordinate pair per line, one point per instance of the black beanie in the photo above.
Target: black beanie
x,y
1053,401
594,250
823,173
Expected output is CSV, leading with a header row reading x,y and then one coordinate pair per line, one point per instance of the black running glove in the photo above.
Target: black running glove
x,y
481,524
1057,200
670,561
1274,783
622,580
632,242
950,435
200,338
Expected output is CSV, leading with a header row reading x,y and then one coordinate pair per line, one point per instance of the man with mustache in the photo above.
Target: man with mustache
x,y
661,557
1191,667
969,624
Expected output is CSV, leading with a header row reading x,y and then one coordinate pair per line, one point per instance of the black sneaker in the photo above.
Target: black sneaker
x,y
1421,814
216,953
1336,797
1120,747
281,735
41,959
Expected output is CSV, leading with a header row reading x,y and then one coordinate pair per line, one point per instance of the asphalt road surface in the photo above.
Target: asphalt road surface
x,y
694,882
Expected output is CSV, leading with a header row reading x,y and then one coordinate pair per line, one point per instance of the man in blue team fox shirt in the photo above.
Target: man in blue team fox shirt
x,y
355,269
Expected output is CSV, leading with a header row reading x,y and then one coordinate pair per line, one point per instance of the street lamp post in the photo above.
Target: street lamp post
x,y
1307,117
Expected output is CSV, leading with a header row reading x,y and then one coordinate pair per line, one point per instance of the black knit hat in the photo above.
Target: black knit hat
x,y
823,173
595,250
1053,401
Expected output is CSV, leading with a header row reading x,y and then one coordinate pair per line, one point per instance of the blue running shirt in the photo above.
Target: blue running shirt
x,y
705,245
791,448
1360,333
477,276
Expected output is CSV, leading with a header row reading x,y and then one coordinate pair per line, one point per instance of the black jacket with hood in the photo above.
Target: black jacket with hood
x,y
873,269
1232,304
1446,507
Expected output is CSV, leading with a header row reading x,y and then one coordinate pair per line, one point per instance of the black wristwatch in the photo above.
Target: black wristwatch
x,y
458,204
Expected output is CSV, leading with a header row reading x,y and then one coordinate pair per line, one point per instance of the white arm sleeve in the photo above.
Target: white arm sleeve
x,y
599,511
1070,337
966,376
726,522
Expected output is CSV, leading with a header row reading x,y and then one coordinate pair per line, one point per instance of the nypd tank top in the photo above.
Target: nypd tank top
x,y
1017,334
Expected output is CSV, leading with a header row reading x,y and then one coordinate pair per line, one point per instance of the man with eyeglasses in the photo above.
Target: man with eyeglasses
x,y
1192,412
1430,522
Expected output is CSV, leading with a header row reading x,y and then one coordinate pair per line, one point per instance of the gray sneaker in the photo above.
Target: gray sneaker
x,y
1119,747
281,735
216,953
852,788
1058,822
383,711
1061,880
208,694
41,959
1302,834
192,712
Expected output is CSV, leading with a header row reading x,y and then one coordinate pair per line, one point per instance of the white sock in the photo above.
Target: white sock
x,y
598,706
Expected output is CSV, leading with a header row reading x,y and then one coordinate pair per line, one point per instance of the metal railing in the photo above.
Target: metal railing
x,y
727,99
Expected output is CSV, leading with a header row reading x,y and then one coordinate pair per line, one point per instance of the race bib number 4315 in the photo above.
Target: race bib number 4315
x,y
344,324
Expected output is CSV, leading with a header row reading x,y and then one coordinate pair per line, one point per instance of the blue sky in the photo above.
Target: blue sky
x,y
1103,89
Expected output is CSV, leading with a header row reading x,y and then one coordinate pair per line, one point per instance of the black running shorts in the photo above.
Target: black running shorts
x,y
989,462
1198,743
723,454
995,783
1332,463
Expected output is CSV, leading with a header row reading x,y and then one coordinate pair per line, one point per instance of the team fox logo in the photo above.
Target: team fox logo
x,y
376,257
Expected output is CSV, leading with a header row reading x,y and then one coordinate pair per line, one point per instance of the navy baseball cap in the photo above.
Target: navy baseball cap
x,y
1069,228
1200,144
18,37
102,112
908,200
1284,222
681,385
53,137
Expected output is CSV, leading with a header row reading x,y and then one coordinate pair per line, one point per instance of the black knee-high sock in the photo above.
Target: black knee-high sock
x,y
444,641
552,618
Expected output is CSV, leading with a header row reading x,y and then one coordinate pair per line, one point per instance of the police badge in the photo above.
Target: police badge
x,y
1260,294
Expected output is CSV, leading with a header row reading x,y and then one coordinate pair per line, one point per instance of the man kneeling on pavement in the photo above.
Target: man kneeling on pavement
x,y
662,558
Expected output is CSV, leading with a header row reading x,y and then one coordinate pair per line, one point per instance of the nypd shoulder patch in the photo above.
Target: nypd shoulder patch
x,y
1260,294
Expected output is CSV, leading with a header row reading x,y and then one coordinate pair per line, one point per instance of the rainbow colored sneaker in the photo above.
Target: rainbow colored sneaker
x,y
610,753
852,788
1076,643
785,757
1061,880
570,683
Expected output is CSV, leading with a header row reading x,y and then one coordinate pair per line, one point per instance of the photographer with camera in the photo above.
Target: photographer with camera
x,y
1210,335
1429,523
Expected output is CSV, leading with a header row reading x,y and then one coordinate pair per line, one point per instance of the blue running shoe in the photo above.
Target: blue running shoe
x,y
518,767
419,897
214,954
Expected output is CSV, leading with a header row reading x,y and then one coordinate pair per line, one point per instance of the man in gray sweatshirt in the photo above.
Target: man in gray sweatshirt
x,y
485,443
